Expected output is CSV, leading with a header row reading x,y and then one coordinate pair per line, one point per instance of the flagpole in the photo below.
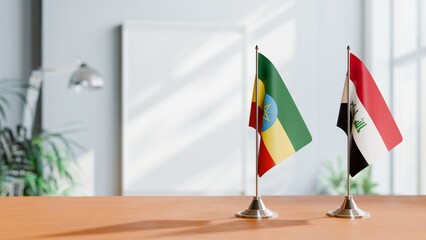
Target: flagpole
x,y
348,209
257,208
348,144
257,123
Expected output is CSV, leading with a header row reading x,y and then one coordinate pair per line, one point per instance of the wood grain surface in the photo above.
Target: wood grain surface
x,y
300,217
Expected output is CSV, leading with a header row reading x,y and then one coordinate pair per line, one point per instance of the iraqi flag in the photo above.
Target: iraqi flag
x,y
373,129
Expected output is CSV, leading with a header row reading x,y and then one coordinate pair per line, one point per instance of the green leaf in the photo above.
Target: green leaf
x,y
2,113
46,159
30,180
4,101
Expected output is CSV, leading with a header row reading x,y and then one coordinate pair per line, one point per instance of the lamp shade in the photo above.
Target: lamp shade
x,y
86,77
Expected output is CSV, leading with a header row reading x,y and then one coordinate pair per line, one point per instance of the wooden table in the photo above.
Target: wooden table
x,y
301,217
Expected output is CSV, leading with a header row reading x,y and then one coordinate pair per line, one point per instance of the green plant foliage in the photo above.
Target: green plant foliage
x,y
41,164
334,181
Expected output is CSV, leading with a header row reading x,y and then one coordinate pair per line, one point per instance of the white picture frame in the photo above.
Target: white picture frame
x,y
170,149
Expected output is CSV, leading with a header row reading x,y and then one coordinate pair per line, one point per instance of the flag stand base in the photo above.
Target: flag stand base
x,y
257,209
348,209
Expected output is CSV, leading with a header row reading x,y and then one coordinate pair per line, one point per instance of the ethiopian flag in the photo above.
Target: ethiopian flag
x,y
280,125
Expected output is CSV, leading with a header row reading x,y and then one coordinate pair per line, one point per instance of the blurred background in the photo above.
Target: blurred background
x,y
172,116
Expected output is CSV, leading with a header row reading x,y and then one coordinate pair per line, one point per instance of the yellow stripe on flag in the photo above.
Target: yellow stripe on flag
x,y
261,95
277,142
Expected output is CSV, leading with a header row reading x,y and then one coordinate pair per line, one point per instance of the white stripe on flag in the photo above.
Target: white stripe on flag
x,y
345,91
366,137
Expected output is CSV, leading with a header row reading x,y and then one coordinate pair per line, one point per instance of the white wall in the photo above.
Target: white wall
x,y
395,56
340,23
15,47
378,53
305,39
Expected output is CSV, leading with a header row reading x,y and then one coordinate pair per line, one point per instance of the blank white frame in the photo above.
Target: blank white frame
x,y
141,26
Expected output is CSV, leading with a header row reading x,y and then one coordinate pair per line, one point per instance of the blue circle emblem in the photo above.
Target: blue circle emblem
x,y
270,112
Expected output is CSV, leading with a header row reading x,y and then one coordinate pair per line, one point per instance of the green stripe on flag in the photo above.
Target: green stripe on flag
x,y
288,114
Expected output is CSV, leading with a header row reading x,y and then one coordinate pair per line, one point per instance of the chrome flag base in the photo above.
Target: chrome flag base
x,y
348,209
257,209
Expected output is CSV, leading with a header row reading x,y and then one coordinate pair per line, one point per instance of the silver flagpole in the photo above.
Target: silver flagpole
x,y
348,209
348,126
257,121
257,208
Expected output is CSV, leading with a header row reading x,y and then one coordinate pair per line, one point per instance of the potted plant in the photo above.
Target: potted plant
x,y
40,164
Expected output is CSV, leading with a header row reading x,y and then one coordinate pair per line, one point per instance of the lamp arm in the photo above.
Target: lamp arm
x,y
83,76
47,72
32,97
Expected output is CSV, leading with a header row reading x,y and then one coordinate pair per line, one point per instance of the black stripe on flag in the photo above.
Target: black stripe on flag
x,y
358,161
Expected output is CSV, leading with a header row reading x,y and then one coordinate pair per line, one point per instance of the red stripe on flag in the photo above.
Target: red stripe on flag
x,y
265,160
252,120
373,102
